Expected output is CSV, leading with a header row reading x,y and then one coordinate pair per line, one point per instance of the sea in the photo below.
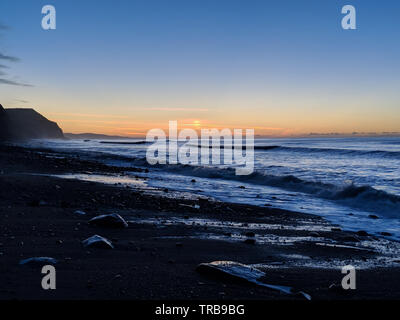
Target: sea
x,y
352,182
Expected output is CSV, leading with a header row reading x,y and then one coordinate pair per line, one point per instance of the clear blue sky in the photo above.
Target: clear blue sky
x,y
283,66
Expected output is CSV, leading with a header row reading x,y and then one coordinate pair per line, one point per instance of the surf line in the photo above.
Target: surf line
x,y
236,152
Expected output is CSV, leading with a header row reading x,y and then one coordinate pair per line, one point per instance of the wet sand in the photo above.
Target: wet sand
x,y
156,256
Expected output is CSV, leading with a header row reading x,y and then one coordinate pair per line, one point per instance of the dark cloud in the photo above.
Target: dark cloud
x,y
4,27
8,58
14,83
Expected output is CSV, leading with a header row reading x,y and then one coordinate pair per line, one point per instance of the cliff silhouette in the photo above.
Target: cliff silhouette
x,y
24,124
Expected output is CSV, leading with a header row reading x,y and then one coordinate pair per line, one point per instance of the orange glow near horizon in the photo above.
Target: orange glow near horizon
x,y
125,126
130,126
295,119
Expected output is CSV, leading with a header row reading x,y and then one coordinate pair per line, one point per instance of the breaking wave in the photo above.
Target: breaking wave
x,y
355,152
327,151
364,197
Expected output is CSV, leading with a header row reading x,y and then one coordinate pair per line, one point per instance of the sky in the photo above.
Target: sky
x,y
281,67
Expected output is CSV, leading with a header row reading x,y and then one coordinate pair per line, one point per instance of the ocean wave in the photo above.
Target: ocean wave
x,y
379,153
336,151
124,142
364,197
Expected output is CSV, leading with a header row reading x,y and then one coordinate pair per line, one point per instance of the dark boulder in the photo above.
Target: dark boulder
x,y
250,241
250,234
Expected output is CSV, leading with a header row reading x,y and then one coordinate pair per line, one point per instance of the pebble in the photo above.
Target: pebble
x,y
109,220
97,241
38,261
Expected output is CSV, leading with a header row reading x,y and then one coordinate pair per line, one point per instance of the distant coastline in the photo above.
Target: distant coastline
x,y
94,136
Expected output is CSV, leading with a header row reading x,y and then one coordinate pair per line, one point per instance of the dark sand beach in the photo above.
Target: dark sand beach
x,y
156,256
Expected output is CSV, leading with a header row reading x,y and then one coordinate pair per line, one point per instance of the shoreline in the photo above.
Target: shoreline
x,y
156,256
